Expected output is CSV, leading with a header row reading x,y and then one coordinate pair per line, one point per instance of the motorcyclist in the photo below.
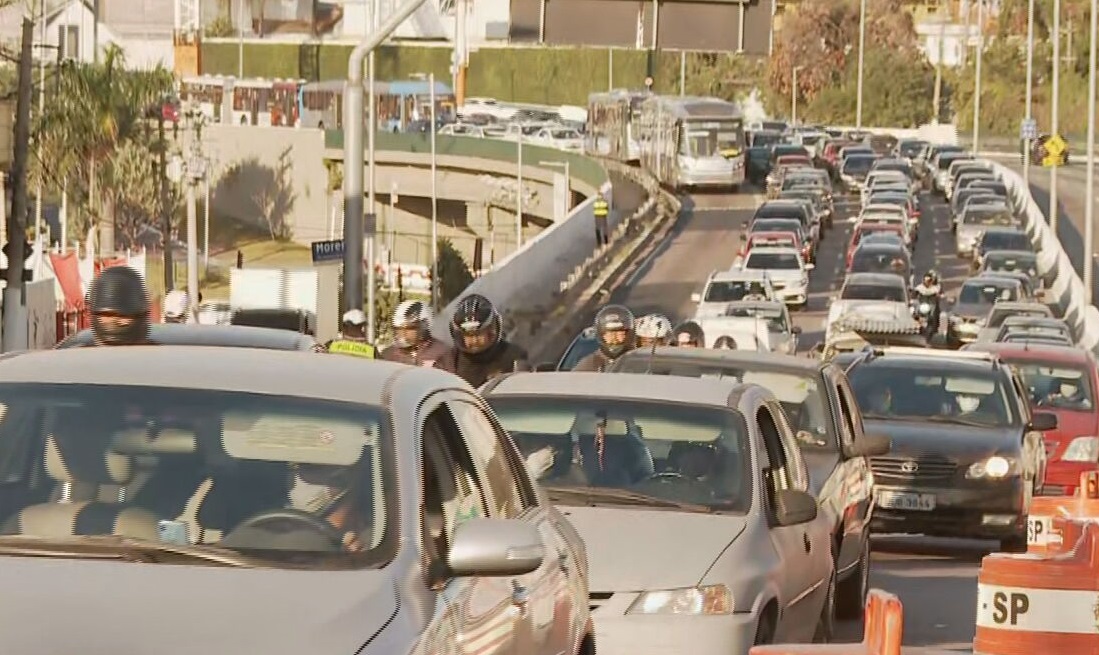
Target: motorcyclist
x,y
412,340
481,351
653,330
177,307
119,306
690,335
615,333
928,291
352,339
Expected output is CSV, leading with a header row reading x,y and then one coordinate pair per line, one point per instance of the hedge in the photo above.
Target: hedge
x,y
535,75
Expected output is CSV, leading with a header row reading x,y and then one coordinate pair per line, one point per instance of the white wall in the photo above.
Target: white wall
x,y
143,51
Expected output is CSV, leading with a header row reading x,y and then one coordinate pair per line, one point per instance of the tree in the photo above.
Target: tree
x,y
454,273
97,108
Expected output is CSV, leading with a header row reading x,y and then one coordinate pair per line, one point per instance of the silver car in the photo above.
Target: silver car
x,y
974,220
272,502
692,497
783,334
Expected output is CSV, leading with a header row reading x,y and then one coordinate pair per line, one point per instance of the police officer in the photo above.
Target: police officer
x,y
481,351
615,334
601,210
119,306
352,339
412,340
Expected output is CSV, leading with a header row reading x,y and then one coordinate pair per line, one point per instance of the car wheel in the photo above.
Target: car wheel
x,y
826,624
851,593
765,629
1014,544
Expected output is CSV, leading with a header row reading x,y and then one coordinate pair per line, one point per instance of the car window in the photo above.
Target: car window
x,y
726,291
452,491
590,449
1058,386
1011,262
984,292
849,412
890,293
878,260
858,164
1005,241
775,316
797,472
901,390
773,261
490,454
988,217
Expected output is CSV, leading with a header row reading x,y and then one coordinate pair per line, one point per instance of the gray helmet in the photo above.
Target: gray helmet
x,y
119,290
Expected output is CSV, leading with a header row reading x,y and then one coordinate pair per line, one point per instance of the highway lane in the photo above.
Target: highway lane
x,y
935,578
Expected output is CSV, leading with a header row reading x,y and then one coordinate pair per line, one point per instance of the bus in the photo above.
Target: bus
x,y
244,102
401,105
612,124
690,142
212,93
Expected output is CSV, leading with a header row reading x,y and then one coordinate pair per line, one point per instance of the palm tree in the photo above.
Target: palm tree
x,y
97,108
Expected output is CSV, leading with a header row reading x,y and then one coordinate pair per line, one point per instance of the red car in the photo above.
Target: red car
x,y
869,228
1063,381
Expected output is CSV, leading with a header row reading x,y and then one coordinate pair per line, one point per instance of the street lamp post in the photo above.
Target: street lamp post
x,y
430,77
1089,204
862,52
1029,87
977,80
794,96
519,193
1056,110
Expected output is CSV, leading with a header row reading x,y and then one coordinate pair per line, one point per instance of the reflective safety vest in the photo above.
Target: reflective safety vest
x,y
600,208
356,348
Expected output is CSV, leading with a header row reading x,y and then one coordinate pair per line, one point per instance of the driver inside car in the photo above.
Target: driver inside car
x,y
329,492
601,453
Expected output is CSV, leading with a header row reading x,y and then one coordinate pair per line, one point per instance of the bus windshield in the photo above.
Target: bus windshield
x,y
712,138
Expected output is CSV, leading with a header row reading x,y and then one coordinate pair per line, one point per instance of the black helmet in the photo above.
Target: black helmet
x,y
475,316
614,318
119,290
725,343
690,332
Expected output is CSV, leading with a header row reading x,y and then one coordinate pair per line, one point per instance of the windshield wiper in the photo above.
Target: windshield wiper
x,y
592,495
128,549
942,418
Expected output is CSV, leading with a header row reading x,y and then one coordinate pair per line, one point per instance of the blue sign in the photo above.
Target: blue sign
x,y
1029,129
327,251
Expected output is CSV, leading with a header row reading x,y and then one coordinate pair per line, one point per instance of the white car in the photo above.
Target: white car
x,y
462,129
486,107
879,292
782,334
788,272
724,287
554,136
747,332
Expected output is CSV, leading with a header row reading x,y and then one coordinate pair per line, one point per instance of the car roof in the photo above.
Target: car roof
x,y
880,247
931,357
734,274
1036,353
988,277
890,279
1010,253
249,370
228,336
622,386
773,361
1014,229
753,304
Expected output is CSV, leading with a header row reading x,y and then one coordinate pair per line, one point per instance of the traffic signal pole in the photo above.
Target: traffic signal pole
x,y
15,304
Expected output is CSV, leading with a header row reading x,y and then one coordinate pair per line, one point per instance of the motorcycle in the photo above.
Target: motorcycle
x,y
926,313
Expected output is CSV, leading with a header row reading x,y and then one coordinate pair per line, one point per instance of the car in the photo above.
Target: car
x,y
1037,338
901,199
252,483
963,166
782,334
864,231
940,168
881,258
881,289
1027,292
229,336
792,209
1042,327
753,239
825,418
1011,261
693,500
967,455
888,212
909,149
821,198
974,220
724,287
958,202
1001,311
854,169
788,272
805,237
998,238
969,312
1063,381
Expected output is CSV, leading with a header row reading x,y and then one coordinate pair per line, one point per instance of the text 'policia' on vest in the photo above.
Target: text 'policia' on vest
x,y
356,348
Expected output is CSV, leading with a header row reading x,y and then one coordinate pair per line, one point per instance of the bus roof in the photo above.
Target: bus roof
x,y
416,88
696,107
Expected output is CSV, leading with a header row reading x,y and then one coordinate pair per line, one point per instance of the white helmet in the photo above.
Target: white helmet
x,y
176,304
412,314
654,326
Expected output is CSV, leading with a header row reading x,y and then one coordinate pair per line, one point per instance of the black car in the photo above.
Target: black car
x,y
222,336
823,414
967,453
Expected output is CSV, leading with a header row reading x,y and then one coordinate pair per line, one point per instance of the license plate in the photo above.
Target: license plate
x,y
906,501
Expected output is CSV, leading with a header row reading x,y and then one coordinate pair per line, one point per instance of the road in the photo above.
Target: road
x,y
935,578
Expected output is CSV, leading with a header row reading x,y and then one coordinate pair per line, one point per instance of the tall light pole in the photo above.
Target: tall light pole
x,y
977,80
519,194
794,96
434,197
353,224
1029,86
1089,205
1054,122
240,39
862,52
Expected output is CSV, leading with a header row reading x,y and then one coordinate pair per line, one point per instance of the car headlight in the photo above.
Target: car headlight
x,y
710,599
1082,449
994,467
925,308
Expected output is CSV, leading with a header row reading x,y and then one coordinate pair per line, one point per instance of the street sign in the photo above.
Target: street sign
x,y
1056,146
1028,130
327,251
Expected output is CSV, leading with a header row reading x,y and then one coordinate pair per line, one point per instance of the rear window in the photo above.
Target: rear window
x,y
873,292
1005,241
773,261
858,164
979,216
877,260
987,292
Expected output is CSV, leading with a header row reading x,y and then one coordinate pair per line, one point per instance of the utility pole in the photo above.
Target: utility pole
x,y
977,84
41,110
15,307
936,103
1029,143
862,53
1055,119
165,211
191,173
1089,203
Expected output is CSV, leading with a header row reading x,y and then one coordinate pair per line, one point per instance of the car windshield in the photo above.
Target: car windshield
x,y
1005,241
581,348
987,292
786,261
789,149
882,292
610,451
907,390
997,317
776,225
1012,262
763,139
911,148
285,478
988,216
1057,385
888,199
728,290
858,164
877,260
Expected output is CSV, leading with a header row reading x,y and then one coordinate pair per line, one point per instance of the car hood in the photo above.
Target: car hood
x,y
109,608
870,308
962,442
970,310
637,550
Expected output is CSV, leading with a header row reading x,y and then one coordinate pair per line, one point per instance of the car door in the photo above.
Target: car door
x,y
478,612
856,475
544,596
1034,456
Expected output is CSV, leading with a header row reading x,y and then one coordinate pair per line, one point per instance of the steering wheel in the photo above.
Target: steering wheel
x,y
298,519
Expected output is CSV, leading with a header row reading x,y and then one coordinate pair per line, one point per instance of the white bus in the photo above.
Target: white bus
x,y
692,143
611,129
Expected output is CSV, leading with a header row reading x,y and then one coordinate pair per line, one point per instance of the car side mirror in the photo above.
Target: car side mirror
x,y
1043,421
495,547
869,446
696,297
795,330
793,507
545,367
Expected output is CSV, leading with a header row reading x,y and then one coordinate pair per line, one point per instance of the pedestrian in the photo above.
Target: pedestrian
x,y
601,210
